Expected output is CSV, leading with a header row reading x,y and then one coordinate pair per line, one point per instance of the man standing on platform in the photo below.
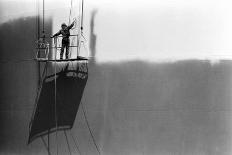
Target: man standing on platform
x,y
65,38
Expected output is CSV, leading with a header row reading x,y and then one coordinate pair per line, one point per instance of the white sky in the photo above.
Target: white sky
x,y
151,30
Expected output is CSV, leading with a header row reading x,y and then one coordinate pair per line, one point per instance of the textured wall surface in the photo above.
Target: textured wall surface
x,y
133,107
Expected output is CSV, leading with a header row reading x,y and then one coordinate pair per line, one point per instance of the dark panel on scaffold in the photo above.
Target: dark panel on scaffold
x,y
58,109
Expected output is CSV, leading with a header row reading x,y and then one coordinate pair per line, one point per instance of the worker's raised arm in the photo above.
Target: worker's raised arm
x,y
56,34
70,26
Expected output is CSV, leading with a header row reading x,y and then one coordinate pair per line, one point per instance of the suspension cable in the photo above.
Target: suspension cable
x,y
47,147
70,13
56,119
90,131
43,16
76,144
82,14
66,137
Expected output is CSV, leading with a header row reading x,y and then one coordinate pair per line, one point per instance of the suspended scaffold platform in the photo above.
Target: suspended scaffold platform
x,y
60,89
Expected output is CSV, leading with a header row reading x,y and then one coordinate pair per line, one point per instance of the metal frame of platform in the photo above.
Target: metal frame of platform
x,y
79,58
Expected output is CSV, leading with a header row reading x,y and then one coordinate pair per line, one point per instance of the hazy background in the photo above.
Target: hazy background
x,y
149,30
139,98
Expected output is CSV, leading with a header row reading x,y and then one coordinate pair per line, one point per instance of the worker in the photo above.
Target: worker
x,y
65,38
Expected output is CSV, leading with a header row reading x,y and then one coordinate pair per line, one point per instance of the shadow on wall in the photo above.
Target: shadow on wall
x,y
93,36
18,80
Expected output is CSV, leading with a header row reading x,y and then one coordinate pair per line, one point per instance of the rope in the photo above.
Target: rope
x,y
70,12
43,15
82,14
76,144
38,36
84,44
49,140
74,27
46,145
79,29
38,20
91,133
67,142
56,119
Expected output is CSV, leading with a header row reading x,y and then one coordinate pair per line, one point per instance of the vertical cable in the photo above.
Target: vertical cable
x,y
70,12
56,119
38,36
82,14
67,142
69,22
76,144
45,145
38,20
48,140
79,29
43,15
90,131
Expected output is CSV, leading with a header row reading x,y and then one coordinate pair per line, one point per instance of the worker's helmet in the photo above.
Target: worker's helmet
x,y
63,25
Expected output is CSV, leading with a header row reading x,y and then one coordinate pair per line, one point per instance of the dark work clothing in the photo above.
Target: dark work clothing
x,y
65,44
65,32
65,40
